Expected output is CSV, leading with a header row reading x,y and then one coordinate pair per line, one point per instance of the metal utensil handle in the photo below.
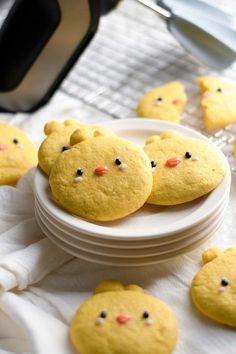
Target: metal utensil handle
x,y
165,14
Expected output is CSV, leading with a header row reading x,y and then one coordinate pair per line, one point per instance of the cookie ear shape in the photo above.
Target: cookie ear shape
x,y
55,125
88,132
52,126
166,135
210,254
80,135
170,134
116,285
152,139
99,131
109,285
69,122
133,287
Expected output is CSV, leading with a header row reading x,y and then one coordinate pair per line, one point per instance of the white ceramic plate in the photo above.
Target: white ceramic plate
x,y
129,253
65,233
150,221
121,262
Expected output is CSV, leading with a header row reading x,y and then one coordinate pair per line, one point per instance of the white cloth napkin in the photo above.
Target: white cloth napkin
x,y
35,318
26,256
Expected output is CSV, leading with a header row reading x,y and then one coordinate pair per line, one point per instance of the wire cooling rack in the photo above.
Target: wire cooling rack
x,y
132,53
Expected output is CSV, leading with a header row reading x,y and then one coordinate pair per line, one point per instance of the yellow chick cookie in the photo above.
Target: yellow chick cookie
x,y
60,138
120,319
165,102
214,289
183,168
102,178
218,102
17,154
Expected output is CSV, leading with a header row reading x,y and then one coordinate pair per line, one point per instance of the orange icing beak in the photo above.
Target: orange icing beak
x,y
101,170
173,162
123,318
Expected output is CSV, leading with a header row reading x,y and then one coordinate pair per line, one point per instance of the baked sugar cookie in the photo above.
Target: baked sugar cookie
x,y
214,288
17,154
57,141
60,137
103,178
218,102
166,102
183,168
121,319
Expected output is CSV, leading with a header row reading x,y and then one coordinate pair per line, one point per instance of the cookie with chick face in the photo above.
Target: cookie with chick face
x,y
102,178
214,289
218,102
183,168
166,102
61,136
120,319
17,154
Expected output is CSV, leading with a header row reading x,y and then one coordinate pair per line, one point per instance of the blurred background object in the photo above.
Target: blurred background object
x,y
40,41
133,52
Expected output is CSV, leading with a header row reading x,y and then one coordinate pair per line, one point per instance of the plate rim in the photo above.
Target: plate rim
x,y
170,256
164,250
95,241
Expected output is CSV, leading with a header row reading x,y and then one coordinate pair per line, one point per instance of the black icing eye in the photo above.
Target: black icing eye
x,y
219,89
159,99
64,148
16,141
145,314
224,282
188,155
79,172
153,164
118,161
103,314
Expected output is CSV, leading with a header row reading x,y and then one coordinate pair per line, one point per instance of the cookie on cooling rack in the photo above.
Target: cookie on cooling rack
x,y
218,102
214,288
102,178
60,138
123,319
183,168
17,154
165,102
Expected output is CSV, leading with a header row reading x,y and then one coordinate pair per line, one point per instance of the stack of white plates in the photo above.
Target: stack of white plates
x,y
151,235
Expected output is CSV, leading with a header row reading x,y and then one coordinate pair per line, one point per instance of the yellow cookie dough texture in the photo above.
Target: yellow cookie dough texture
x,y
218,102
121,319
111,193
60,135
166,102
192,177
17,154
214,288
